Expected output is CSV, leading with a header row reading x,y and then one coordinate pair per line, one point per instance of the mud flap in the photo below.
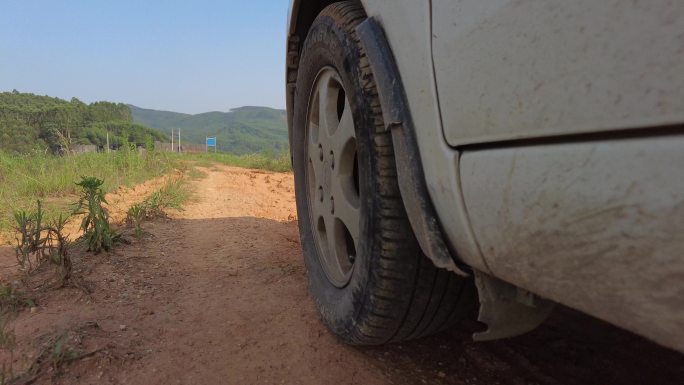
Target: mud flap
x,y
507,310
397,118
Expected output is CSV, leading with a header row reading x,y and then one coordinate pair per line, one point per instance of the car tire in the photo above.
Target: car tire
x,y
367,275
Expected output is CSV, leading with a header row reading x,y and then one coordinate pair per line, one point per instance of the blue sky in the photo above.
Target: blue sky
x,y
187,56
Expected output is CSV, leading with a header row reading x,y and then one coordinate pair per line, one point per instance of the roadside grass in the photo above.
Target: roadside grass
x,y
27,178
279,162
196,174
41,240
24,179
173,195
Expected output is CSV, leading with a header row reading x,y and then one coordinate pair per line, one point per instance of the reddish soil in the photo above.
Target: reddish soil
x,y
217,294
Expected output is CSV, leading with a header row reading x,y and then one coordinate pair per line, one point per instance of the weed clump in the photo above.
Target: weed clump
x,y
172,195
38,242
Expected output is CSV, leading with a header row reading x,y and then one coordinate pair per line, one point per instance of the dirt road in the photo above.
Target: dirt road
x,y
216,294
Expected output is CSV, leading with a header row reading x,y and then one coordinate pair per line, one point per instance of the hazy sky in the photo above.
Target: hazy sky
x,y
187,56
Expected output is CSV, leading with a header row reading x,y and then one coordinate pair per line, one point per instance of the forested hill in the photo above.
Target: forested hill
x,y
33,122
240,131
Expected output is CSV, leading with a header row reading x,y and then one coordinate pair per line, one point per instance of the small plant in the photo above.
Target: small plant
x,y
95,224
57,247
28,230
8,342
56,351
135,216
13,300
37,242
7,337
60,352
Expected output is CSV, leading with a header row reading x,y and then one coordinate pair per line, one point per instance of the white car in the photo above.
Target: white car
x,y
488,159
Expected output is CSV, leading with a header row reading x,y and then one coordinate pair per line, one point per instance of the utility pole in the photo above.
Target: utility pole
x,y
179,147
172,149
107,142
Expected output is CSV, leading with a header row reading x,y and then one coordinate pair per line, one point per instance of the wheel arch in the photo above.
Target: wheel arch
x,y
302,14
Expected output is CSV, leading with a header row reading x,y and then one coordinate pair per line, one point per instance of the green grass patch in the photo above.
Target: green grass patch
x,y
27,178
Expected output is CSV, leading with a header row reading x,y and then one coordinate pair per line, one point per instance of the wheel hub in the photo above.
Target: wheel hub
x,y
332,182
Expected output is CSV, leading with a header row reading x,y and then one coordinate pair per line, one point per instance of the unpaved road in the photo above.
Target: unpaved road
x,y
216,294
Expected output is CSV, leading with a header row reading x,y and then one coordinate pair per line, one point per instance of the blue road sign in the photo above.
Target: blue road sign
x,y
211,142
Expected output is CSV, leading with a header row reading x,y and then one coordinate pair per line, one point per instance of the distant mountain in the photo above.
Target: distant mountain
x,y
240,131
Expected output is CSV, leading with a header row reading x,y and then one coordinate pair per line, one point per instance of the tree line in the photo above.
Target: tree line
x,y
31,122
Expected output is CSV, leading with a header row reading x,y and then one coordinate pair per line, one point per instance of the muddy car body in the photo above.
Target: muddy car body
x,y
538,151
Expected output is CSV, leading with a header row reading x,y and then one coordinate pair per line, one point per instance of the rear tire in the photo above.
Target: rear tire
x,y
370,280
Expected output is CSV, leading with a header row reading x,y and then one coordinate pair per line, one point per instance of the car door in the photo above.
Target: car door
x,y
568,116
510,69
